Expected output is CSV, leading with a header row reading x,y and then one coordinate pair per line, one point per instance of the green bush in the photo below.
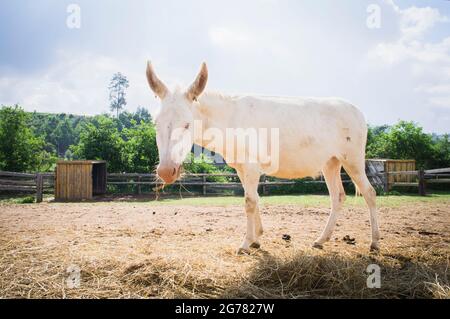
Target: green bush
x,y
26,200
203,165
20,149
406,140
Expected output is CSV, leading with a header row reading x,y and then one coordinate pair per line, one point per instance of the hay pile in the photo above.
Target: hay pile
x,y
41,272
126,250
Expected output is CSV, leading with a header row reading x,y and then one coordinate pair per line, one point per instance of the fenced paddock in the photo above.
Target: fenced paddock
x,y
186,248
169,248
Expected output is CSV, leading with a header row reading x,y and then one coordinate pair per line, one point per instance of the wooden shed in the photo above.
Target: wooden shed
x,y
390,165
79,180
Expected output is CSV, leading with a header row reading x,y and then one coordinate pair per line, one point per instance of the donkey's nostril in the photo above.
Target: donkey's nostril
x,y
174,171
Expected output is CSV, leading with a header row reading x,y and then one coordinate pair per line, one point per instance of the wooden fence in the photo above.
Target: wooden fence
x,y
27,183
213,183
204,181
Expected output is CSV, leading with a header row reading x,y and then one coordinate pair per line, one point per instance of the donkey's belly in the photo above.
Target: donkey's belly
x,y
297,164
304,151
290,174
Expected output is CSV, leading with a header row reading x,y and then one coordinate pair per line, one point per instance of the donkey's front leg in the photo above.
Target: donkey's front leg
x,y
250,180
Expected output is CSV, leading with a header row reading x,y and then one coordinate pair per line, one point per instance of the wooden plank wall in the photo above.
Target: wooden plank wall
x,y
401,166
73,181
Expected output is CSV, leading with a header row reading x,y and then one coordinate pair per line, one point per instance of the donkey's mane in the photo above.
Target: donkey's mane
x,y
217,96
212,100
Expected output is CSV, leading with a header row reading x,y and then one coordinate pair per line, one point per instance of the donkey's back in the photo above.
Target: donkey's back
x,y
311,130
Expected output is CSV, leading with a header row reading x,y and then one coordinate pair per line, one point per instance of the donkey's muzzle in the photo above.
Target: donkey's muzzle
x,y
169,173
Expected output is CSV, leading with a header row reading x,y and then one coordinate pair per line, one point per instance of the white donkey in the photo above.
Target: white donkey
x,y
314,135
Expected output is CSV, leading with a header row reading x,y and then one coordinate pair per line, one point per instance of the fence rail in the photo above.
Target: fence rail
x,y
424,177
39,182
26,182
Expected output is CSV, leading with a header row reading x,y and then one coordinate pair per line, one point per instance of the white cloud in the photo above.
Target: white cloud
x,y
428,62
75,83
414,21
395,52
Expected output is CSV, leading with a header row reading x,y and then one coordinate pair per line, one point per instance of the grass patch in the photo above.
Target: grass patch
x,y
26,200
302,200
21,199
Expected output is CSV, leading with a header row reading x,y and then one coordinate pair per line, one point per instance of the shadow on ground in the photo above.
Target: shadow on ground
x,y
330,275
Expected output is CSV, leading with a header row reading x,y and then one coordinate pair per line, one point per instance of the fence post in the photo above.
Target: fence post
x,y
386,178
139,185
422,183
204,184
386,182
39,187
264,189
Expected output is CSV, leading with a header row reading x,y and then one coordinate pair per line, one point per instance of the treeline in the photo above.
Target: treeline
x,y
60,131
35,141
406,140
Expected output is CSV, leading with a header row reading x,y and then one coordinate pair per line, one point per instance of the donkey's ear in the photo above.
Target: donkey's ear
x,y
155,84
199,84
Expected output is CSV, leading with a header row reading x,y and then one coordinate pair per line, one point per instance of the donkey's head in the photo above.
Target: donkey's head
x,y
175,122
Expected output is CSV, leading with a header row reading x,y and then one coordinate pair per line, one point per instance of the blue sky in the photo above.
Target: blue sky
x,y
400,70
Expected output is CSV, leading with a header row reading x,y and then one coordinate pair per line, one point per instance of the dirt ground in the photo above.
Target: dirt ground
x,y
134,250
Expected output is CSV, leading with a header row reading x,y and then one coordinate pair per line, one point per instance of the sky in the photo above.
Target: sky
x,y
391,58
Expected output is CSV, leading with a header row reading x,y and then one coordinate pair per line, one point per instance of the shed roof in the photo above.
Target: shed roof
x,y
390,160
85,162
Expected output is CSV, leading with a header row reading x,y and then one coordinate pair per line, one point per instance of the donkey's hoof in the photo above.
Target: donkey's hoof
x,y
242,251
374,248
317,245
255,245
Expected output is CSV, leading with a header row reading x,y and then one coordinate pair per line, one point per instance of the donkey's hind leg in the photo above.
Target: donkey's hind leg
x,y
357,173
332,174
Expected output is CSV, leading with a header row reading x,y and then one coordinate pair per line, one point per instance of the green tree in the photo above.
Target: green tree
x,y
142,114
376,141
140,148
100,140
63,136
203,165
441,150
405,140
127,120
117,87
20,149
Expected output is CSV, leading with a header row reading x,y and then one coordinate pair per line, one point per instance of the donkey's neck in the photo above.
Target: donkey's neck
x,y
215,111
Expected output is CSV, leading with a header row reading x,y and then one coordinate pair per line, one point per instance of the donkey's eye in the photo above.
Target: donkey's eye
x,y
187,126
